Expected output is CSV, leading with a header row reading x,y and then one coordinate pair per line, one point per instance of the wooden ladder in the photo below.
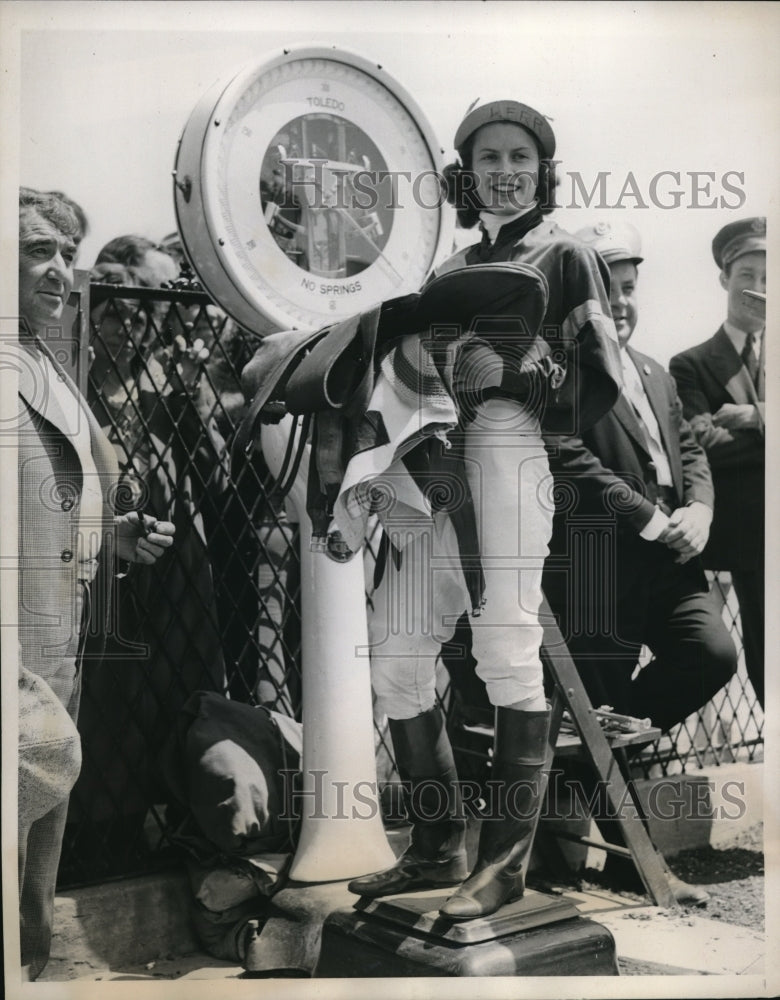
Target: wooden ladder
x,y
607,759
604,755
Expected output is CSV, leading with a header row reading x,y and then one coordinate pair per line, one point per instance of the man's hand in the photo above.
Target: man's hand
x,y
189,359
142,539
737,417
687,531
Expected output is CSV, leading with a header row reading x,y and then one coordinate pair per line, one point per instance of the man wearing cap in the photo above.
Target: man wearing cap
x,y
635,500
639,478
722,386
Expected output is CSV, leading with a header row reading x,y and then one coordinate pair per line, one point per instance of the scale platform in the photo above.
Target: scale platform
x,y
538,935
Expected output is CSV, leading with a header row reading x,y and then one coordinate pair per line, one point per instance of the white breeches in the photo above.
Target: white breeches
x,y
417,605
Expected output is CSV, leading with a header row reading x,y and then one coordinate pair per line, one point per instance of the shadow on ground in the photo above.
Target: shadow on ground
x,y
709,865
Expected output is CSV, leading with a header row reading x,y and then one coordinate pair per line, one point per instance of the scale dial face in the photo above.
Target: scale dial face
x,y
308,189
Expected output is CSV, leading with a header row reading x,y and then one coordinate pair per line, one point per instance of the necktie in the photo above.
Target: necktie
x,y
749,359
635,393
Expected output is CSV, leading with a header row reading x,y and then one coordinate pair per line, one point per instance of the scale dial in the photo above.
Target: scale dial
x,y
307,189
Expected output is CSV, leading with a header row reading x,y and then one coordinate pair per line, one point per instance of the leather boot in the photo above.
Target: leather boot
x,y
506,839
436,855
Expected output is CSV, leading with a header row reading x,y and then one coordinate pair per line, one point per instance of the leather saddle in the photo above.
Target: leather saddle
x,y
304,372
263,381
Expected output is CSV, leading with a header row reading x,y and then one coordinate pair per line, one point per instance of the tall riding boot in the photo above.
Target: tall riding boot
x,y
436,855
506,839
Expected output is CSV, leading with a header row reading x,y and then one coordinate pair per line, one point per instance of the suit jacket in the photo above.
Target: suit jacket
x,y
708,376
608,470
605,489
50,488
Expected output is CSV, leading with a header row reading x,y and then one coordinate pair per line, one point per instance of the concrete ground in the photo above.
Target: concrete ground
x,y
649,941
143,925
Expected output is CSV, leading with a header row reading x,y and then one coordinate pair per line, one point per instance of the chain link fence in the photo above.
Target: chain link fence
x,y
220,611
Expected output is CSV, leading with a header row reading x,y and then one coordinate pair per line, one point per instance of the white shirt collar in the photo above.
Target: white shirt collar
x,y
738,337
626,358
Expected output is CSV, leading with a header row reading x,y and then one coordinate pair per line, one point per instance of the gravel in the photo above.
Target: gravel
x,y
732,873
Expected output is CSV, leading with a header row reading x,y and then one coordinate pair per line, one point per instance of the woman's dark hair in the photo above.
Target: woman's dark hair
x,y
460,184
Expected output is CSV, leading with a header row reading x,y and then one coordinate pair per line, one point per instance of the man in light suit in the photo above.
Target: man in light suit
x,y
634,505
67,474
721,383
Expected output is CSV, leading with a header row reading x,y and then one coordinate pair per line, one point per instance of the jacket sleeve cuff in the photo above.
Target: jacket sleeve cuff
x,y
654,526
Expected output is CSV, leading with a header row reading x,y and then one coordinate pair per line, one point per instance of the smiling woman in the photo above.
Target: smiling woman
x,y
514,376
505,159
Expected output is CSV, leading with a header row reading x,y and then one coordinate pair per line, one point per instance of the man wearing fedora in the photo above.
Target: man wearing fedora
x,y
722,386
635,498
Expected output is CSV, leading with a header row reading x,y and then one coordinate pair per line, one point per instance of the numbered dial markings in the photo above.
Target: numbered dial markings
x,y
319,185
